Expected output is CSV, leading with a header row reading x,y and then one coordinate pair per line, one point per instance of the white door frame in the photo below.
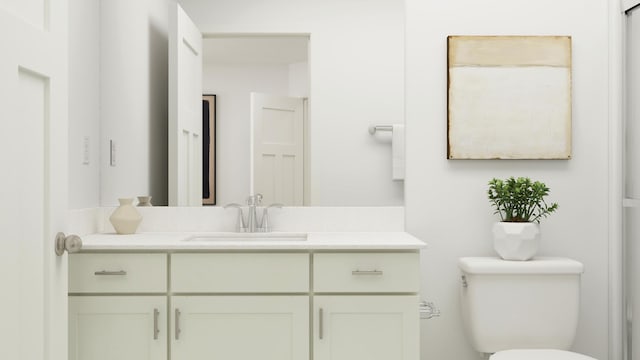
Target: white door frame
x,y
618,343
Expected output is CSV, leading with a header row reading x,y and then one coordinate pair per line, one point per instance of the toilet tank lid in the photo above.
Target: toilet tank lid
x,y
538,265
538,354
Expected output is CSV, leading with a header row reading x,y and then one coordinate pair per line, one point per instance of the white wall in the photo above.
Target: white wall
x,y
349,42
133,86
446,203
357,79
84,102
299,79
232,86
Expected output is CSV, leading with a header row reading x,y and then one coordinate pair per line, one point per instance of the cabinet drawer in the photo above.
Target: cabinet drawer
x,y
240,273
366,272
117,273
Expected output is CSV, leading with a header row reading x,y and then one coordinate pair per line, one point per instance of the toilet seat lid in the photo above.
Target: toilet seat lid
x,y
538,354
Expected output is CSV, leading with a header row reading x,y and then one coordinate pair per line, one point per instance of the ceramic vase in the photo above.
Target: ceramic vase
x,y
516,240
125,219
144,201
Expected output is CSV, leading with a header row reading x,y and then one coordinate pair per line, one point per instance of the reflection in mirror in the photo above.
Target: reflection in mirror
x,y
119,89
261,85
356,79
208,149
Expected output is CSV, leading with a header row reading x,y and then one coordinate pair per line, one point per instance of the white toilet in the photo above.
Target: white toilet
x,y
521,310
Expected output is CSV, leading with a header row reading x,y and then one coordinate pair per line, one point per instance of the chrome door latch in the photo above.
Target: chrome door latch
x,y
71,243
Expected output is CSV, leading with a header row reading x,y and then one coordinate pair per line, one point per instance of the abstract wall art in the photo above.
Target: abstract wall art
x,y
509,97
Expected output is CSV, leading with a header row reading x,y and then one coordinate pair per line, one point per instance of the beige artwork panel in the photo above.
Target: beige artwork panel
x,y
509,97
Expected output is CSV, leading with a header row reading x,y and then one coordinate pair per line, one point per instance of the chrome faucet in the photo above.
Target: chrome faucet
x,y
252,221
240,226
266,224
253,224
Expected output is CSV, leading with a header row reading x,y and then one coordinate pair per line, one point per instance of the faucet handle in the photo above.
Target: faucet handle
x,y
240,226
254,200
266,225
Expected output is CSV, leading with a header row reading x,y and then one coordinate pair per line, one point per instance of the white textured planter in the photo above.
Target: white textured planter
x,y
516,241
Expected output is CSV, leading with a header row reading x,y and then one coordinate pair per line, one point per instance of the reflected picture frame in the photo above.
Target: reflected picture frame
x,y
209,149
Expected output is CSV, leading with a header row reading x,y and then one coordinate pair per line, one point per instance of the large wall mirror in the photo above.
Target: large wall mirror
x,y
341,63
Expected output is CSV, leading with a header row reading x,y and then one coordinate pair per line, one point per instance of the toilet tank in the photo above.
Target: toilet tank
x,y
520,304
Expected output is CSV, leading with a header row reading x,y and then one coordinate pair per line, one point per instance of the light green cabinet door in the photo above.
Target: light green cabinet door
x,y
117,328
368,327
240,327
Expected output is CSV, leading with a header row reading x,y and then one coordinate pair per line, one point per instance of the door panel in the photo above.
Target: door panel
x,y
632,124
185,110
33,185
241,327
278,148
366,328
631,155
118,327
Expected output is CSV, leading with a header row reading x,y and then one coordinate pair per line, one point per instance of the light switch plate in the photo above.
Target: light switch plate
x,y
85,150
112,153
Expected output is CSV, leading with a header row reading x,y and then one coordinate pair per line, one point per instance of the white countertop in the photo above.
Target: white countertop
x,y
314,241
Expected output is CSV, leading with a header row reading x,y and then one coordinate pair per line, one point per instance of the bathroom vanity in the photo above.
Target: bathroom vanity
x,y
192,296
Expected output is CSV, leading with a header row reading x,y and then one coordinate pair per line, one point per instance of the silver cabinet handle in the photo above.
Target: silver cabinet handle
x,y
105,272
177,324
320,323
366,272
156,329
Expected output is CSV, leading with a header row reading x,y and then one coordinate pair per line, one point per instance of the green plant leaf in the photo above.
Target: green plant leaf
x,y
520,200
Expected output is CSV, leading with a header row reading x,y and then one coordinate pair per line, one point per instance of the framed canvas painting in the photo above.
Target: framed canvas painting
x,y
509,97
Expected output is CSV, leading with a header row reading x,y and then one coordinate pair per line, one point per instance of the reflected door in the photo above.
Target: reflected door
x,y
277,148
185,110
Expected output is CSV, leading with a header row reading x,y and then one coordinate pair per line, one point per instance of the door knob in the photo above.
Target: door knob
x,y
71,243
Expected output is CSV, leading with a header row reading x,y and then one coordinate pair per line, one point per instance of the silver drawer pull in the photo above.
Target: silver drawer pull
x,y
156,329
321,324
177,324
105,272
366,272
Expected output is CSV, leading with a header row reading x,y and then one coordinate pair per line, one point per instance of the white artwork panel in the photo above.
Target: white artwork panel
x,y
509,98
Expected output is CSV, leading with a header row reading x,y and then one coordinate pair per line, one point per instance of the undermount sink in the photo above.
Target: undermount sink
x,y
233,237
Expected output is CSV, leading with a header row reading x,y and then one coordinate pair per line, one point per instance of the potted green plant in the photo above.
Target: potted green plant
x,y
521,205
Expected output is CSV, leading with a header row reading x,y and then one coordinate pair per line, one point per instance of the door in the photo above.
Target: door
x,y
185,110
277,148
117,327
367,327
631,189
33,184
240,327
